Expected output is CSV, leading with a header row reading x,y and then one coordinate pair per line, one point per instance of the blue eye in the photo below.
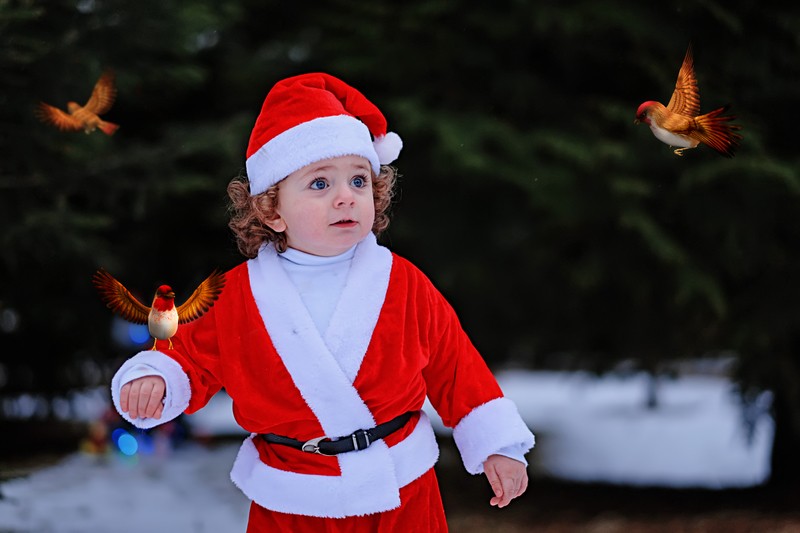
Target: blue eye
x,y
318,184
359,181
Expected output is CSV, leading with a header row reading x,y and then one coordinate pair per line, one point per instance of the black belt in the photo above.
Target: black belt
x,y
358,440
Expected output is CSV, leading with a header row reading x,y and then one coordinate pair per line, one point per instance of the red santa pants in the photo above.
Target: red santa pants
x,y
420,510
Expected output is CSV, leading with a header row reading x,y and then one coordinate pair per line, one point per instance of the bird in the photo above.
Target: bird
x,y
162,317
680,123
86,117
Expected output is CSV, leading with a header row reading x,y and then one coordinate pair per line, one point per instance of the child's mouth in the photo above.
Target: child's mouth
x,y
344,223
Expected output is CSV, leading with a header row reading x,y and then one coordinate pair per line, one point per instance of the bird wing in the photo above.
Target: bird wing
x,y
202,298
103,94
686,96
119,299
678,124
56,117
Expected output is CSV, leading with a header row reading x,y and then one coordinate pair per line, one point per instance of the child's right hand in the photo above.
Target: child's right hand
x,y
143,397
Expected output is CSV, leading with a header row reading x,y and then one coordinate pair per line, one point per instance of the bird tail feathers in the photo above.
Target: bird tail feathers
x,y
715,130
108,127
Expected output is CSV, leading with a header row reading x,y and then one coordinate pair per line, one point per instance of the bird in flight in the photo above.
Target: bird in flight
x,y
162,317
86,117
680,123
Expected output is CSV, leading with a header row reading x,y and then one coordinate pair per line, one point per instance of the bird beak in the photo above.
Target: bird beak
x,y
637,121
170,294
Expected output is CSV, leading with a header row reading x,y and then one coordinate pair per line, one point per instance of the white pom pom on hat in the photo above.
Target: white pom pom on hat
x,y
388,147
311,117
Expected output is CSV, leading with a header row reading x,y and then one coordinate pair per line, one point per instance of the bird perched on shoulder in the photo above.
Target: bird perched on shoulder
x,y
87,117
162,317
680,123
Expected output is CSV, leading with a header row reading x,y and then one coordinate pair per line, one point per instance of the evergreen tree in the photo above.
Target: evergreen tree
x,y
562,233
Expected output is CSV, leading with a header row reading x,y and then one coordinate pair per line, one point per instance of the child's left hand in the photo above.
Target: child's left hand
x,y
508,478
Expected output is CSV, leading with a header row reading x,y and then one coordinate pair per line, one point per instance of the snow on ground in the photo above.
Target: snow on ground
x,y
587,429
598,430
188,490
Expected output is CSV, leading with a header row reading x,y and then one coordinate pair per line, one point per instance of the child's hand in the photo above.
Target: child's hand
x,y
142,397
508,478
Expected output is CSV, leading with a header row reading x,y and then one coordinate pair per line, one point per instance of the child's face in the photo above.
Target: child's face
x,y
326,208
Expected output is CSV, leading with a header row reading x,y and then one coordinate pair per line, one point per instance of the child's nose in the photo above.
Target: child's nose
x,y
344,195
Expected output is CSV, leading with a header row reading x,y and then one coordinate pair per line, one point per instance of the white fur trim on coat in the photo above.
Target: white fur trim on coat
x,y
325,381
178,390
370,481
489,428
324,367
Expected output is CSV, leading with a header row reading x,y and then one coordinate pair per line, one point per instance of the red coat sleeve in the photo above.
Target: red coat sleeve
x,y
464,392
457,378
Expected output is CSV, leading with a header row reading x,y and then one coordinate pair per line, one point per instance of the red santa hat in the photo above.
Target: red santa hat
x,y
312,117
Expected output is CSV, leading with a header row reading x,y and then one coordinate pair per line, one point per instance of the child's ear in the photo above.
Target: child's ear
x,y
277,224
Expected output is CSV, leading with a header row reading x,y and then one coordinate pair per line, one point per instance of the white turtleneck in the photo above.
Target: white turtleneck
x,y
319,280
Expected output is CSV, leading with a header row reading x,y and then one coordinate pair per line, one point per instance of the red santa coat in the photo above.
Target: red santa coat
x,y
392,340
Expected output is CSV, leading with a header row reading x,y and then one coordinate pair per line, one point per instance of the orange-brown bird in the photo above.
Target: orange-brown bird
x,y
85,117
680,124
162,317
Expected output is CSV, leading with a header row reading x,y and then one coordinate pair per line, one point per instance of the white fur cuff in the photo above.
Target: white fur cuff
x,y
178,389
489,428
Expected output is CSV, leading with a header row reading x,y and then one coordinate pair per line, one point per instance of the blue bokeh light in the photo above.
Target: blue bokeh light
x,y
129,335
116,434
125,442
146,445
128,444
138,333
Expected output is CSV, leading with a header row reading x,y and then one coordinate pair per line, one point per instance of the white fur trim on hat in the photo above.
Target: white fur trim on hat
x,y
307,143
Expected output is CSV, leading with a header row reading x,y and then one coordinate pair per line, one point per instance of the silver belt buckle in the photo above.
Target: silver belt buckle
x,y
312,446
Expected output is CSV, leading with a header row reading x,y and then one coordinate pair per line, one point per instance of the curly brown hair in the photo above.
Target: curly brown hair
x,y
249,214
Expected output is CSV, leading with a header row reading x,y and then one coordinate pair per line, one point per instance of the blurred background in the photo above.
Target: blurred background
x,y
572,243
